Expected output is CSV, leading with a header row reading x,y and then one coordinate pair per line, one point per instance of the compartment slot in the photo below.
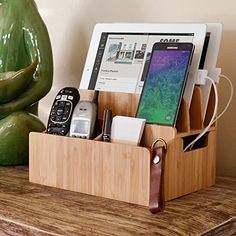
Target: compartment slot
x,y
201,143
195,111
183,120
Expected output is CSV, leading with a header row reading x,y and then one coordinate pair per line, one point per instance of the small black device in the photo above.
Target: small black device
x,y
165,82
84,118
62,110
106,127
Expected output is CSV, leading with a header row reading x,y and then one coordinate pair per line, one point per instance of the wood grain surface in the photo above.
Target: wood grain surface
x,y
40,210
119,171
116,171
227,228
8,227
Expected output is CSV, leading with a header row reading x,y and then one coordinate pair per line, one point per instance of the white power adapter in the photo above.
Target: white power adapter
x,y
201,77
215,74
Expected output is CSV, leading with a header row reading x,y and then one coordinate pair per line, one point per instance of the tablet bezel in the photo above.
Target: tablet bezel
x,y
215,30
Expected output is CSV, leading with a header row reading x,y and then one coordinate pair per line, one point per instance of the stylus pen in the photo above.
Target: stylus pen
x,y
106,129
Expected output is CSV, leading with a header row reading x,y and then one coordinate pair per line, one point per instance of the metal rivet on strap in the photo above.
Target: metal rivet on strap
x,y
156,159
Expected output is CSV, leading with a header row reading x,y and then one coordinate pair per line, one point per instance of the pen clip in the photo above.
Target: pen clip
x,y
106,127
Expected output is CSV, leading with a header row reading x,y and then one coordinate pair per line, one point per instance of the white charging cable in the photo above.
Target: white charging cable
x,y
230,98
190,145
214,117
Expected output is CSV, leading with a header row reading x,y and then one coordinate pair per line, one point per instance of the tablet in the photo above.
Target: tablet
x,y
119,54
209,58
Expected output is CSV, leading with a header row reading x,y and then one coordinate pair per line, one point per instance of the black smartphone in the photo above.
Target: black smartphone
x,y
165,81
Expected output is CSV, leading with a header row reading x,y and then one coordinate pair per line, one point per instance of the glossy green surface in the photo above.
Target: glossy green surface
x,y
26,73
14,133
12,84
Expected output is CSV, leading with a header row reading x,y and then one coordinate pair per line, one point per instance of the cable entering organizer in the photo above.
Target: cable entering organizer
x,y
214,115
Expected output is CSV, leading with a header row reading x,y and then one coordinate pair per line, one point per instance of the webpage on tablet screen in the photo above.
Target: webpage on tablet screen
x,y
122,60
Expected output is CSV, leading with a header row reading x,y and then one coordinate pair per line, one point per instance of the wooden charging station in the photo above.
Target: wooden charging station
x,y
122,171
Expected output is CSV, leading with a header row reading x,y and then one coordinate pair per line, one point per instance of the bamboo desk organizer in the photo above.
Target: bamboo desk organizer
x,y
122,171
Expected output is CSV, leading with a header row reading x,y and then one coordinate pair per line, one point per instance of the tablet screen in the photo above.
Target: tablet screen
x,y
122,59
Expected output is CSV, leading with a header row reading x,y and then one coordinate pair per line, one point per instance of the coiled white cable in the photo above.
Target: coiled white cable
x,y
214,117
190,145
230,98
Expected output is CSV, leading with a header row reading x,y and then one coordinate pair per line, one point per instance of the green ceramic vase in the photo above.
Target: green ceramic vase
x,y
26,74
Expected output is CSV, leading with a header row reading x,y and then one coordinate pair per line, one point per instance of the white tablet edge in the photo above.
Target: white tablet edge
x,y
210,61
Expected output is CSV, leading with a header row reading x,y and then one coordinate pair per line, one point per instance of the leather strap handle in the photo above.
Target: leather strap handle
x,y
156,199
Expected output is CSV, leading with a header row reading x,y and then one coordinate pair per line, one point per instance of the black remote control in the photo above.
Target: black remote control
x,y
62,110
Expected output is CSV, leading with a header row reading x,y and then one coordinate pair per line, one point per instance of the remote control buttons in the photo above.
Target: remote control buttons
x,y
64,118
64,97
53,118
62,103
60,111
49,130
59,119
63,132
68,91
53,112
66,111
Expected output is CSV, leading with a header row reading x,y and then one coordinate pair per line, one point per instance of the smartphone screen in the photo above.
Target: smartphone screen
x,y
165,82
